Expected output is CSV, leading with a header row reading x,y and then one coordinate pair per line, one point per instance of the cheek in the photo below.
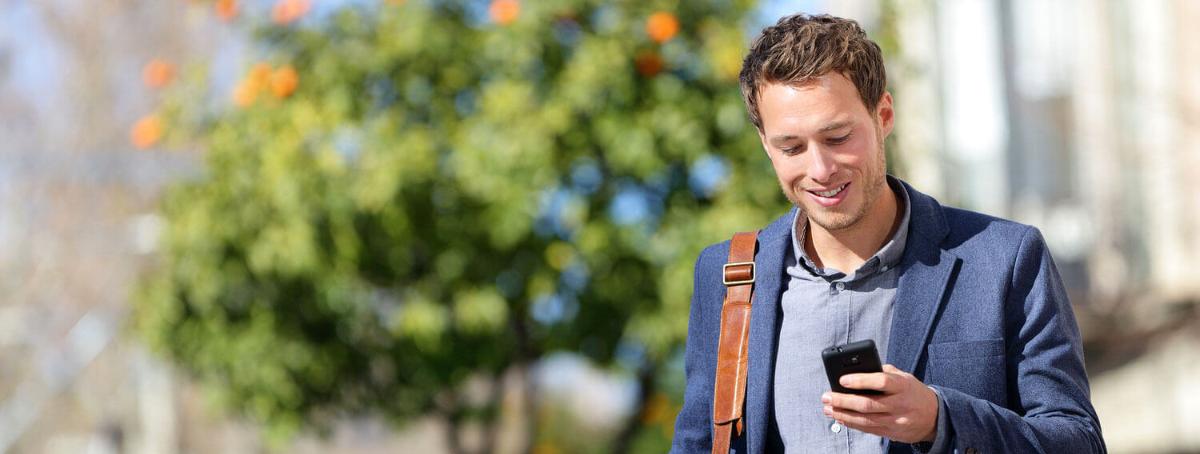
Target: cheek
x,y
788,169
861,153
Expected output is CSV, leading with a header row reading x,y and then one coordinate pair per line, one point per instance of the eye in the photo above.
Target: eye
x,y
791,150
839,140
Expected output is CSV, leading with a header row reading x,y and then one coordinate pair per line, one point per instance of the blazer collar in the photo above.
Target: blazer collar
x,y
928,217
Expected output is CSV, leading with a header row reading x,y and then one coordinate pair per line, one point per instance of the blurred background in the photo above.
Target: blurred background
x,y
366,226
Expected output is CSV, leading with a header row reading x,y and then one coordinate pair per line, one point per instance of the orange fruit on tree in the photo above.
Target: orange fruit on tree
x,y
504,12
146,132
245,93
226,9
662,26
157,73
258,79
284,81
287,11
260,75
648,63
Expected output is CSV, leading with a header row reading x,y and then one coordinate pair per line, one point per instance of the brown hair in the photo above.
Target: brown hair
x,y
800,48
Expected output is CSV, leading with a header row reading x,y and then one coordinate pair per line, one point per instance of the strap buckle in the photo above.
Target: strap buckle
x,y
725,274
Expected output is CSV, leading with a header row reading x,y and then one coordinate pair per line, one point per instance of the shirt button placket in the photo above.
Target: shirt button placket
x,y
836,288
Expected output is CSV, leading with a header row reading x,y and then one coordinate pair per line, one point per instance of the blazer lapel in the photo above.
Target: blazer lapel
x,y
922,285
773,242
925,274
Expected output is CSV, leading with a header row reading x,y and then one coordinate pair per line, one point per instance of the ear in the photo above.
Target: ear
x,y
886,114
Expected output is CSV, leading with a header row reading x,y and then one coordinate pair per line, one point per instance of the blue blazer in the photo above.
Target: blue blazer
x,y
980,314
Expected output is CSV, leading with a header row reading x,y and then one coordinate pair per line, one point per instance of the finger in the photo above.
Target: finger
x,y
865,422
878,381
893,370
861,404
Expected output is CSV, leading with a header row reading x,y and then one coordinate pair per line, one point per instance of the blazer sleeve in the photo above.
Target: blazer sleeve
x,y
1049,405
693,426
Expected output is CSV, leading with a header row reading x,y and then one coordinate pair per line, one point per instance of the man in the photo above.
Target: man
x,y
969,312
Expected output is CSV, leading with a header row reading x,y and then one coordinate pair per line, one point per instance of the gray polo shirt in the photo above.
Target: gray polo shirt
x,y
823,307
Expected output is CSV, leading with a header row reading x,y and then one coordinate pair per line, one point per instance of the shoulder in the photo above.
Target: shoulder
x,y
964,232
974,237
713,254
991,241
718,253
707,286
712,258
970,228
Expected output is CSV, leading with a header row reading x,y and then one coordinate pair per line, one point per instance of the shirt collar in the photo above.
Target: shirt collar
x,y
885,258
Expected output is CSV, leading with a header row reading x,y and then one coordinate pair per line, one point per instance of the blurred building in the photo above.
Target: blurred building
x,y
1080,118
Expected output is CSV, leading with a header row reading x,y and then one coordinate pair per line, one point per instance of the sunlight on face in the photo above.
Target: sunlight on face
x,y
826,147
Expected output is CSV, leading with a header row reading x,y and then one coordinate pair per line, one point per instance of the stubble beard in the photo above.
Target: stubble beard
x,y
832,221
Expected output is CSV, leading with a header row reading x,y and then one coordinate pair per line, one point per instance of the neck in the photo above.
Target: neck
x,y
847,249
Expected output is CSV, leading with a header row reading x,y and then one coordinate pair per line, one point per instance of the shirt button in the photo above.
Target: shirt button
x,y
835,427
885,267
840,286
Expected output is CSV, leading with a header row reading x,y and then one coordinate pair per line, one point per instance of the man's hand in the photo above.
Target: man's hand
x,y
906,411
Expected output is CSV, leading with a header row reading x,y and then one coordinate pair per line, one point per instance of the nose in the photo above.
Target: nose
x,y
821,166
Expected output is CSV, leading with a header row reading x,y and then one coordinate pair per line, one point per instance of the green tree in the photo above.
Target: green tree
x,y
408,195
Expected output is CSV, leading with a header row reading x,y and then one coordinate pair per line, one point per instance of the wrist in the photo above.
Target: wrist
x,y
932,435
934,406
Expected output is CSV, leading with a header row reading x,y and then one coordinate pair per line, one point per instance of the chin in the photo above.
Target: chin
x,y
832,222
832,219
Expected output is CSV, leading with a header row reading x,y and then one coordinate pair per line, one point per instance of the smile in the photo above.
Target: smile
x,y
831,192
830,198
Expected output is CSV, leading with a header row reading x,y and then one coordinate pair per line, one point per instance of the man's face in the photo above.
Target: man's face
x,y
826,147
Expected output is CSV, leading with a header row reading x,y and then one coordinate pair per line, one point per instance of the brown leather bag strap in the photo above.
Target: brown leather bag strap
x,y
730,389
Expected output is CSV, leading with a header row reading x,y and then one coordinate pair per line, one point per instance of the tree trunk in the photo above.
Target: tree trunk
x,y
451,414
524,363
646,377
492,420
529,403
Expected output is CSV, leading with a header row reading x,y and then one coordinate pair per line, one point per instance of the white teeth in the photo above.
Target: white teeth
x,y
832,192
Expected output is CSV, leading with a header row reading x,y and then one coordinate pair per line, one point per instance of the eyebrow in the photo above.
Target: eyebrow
x,y
835,125
778,140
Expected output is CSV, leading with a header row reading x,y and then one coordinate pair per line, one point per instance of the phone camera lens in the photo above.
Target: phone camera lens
x,y
854,359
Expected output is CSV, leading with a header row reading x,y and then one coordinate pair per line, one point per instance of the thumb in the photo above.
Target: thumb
x,y
891,369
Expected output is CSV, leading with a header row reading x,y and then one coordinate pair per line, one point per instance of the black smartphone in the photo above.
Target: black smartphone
x,y
853,358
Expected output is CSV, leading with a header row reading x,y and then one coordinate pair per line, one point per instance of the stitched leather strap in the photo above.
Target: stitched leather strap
x,y
730,388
